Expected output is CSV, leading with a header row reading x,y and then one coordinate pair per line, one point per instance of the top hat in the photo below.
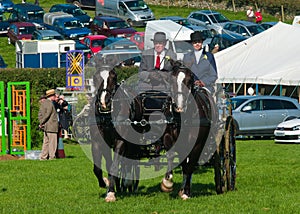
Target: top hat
x,y
50,93
196,36
159,37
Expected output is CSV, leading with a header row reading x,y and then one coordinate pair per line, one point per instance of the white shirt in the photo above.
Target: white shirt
x,y
162,56
198,55
250,13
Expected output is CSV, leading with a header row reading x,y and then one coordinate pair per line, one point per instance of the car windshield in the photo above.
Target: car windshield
x,y
136,5
255,29
32,15
118,25
97,43
206,34
72,24
53,37
26,30
217,18
183,46
236,102
78,12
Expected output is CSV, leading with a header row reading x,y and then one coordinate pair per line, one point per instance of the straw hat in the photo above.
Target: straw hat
x,y
50,93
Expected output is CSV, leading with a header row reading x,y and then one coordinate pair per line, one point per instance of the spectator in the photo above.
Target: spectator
x,y
49,123
63,115
250,14
202,63
258,17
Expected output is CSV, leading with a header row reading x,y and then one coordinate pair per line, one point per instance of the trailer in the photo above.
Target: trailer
x,y
42,53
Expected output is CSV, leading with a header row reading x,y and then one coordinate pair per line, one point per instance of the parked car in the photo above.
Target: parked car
x,y
138,38
245,28
213,20
87,52
94,42
5,19
6,5
91,4
267,25
225,40
260,115
111,26
118,43
46,35
19,31
73,10
2,63
26,12
120,51
206,33
288,131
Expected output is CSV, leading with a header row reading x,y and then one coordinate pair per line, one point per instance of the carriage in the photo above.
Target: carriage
x,y
158,130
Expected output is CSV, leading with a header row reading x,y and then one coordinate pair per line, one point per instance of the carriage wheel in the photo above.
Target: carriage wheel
x,y
225,160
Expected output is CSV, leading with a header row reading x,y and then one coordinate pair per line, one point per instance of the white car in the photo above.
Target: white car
x,y
288,131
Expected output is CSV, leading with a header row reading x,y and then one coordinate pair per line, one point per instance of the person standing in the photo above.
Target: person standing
x,y
48,120
63,115
201,63
250,14
258,17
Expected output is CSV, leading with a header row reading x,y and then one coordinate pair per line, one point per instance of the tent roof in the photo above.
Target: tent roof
x,y
271,57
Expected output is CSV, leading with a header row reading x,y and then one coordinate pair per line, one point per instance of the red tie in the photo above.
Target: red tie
x,y
157,63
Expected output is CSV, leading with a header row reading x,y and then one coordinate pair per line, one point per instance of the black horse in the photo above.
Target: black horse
x,y
196,114
187,116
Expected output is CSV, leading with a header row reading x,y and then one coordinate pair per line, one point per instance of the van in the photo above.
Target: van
x,y
26,12
135,12
178,36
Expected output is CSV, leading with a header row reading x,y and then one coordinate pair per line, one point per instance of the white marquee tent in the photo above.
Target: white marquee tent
x,y
271,57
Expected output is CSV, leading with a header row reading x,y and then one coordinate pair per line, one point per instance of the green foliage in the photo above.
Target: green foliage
x,y
267,182
40,81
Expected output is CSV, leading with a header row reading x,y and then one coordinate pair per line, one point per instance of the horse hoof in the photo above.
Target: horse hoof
x,y
164,188
110,197
168,183
106,181
182,195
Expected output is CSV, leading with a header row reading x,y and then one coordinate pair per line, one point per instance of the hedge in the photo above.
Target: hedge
x,y
40,81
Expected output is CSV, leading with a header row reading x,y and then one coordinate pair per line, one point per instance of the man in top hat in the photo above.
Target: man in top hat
x,y
49,123
156,59
202,63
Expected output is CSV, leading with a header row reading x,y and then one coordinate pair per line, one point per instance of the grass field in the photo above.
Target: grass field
x,y
267,182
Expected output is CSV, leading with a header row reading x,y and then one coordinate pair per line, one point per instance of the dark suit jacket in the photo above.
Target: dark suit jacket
x,y
48,116
205,70
147,63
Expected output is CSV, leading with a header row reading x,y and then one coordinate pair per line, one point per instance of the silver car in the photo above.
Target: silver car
x,y
260,115
213,20
245,28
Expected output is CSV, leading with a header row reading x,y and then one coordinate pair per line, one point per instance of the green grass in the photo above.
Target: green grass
x,y
267,182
